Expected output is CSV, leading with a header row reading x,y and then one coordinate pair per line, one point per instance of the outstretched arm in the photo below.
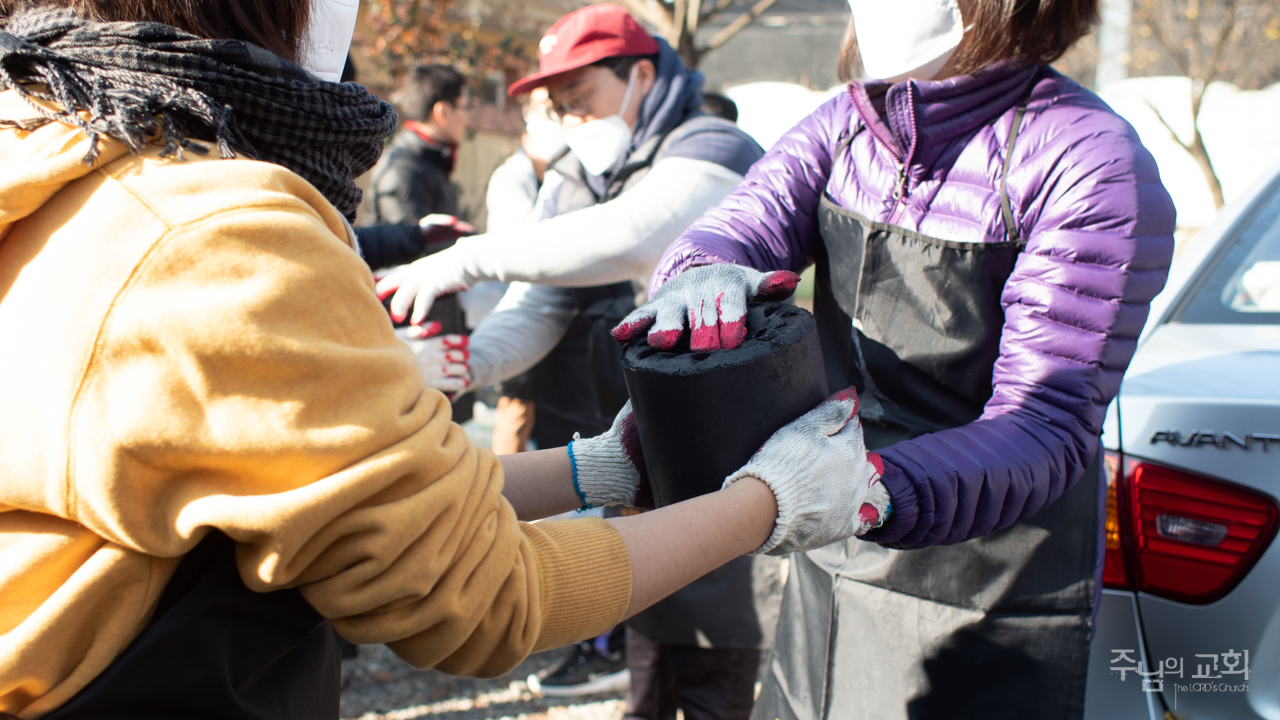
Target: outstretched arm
x,y
525,326
606,243
669,548
767,222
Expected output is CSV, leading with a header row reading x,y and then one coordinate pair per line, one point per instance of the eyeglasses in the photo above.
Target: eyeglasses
x,y
576,102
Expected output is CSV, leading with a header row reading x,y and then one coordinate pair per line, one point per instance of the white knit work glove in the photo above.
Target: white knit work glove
x,y
712,299
418,284
608,469
826,483
443,359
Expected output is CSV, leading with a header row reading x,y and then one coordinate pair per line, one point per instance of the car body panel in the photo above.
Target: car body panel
x,y
1195,383
1108,695
1207,380
1188,387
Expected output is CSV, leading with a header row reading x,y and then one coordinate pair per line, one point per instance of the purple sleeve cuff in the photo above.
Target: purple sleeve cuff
x,y
680,260
906,507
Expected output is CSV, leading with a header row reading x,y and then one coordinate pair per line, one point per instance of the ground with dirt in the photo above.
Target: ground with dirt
x,y
381,686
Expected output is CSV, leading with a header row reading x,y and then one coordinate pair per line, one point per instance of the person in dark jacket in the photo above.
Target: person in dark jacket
x,y
988,236
411,180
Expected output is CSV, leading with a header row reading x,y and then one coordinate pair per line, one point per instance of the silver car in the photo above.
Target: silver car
x,y
1189,624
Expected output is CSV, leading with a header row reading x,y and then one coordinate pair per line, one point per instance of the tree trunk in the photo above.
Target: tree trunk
x,y
1197,148
688,51
1201,155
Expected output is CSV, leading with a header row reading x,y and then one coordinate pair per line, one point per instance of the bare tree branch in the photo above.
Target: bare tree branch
x,y
1198,152
719,7
656,14
679,16
738,24
1172,133
693,16
1194,44
1224,40
1162,37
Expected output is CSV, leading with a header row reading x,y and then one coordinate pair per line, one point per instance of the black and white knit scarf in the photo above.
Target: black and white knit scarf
x,y
148,82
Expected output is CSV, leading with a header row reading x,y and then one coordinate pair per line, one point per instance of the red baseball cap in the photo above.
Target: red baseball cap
x,y
585,36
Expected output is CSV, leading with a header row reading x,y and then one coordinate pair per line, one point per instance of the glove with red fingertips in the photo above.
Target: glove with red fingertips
x,y
608,469
413,288
826,483
712,300
444,360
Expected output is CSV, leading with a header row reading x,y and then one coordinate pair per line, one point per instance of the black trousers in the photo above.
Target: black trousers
x,y
706,683
217,651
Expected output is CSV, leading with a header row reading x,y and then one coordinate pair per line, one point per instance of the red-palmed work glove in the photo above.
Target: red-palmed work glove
x,y
444,359
415,287
608,469
826,483
712,299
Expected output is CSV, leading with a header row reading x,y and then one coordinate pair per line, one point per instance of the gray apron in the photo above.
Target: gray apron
x,y
993,627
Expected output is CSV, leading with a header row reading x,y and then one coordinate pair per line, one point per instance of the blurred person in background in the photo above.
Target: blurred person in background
x,y
510,200
513,187
988,237
720,106
644,161
215,449
412,179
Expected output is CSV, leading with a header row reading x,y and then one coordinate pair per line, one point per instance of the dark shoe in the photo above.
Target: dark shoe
x,y
585,672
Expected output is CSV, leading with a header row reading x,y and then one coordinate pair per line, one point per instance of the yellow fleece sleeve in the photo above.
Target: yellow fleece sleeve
x,y
247,379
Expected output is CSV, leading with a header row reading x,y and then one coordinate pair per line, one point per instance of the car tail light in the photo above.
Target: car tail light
x,y
1115,571
1181,536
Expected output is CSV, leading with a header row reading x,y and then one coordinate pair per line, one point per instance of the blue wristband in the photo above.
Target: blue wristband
x,y
573,462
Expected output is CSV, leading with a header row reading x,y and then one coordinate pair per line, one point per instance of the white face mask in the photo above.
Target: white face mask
x,y
546,137
600,144
906,38
328,38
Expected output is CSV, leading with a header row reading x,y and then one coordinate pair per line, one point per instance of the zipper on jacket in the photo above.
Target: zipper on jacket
x,y
899,193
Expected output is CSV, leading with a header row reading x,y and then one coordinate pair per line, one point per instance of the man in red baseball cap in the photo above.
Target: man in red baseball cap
x,y
586,36
596,66
643,161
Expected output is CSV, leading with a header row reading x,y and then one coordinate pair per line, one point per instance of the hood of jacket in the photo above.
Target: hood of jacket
x,y
676,92
36,164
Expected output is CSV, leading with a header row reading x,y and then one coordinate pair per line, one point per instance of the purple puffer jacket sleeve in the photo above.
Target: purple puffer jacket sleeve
x,y
1098,225
767,222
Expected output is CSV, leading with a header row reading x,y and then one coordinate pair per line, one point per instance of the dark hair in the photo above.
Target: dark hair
x,y
277,25
427,85
1034,32
349,72
622,64
718,104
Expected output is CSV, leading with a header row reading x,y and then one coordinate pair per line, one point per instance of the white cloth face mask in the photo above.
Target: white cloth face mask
x,y
906,38
328,38
600,144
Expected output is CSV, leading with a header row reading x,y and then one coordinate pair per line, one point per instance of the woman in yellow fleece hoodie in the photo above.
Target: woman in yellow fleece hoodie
x,y
214,451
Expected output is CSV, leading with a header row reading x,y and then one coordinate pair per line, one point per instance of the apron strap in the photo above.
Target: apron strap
x,y
847,140
1006,210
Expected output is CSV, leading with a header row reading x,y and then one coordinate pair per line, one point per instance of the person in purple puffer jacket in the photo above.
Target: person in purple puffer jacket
x,y
988,236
